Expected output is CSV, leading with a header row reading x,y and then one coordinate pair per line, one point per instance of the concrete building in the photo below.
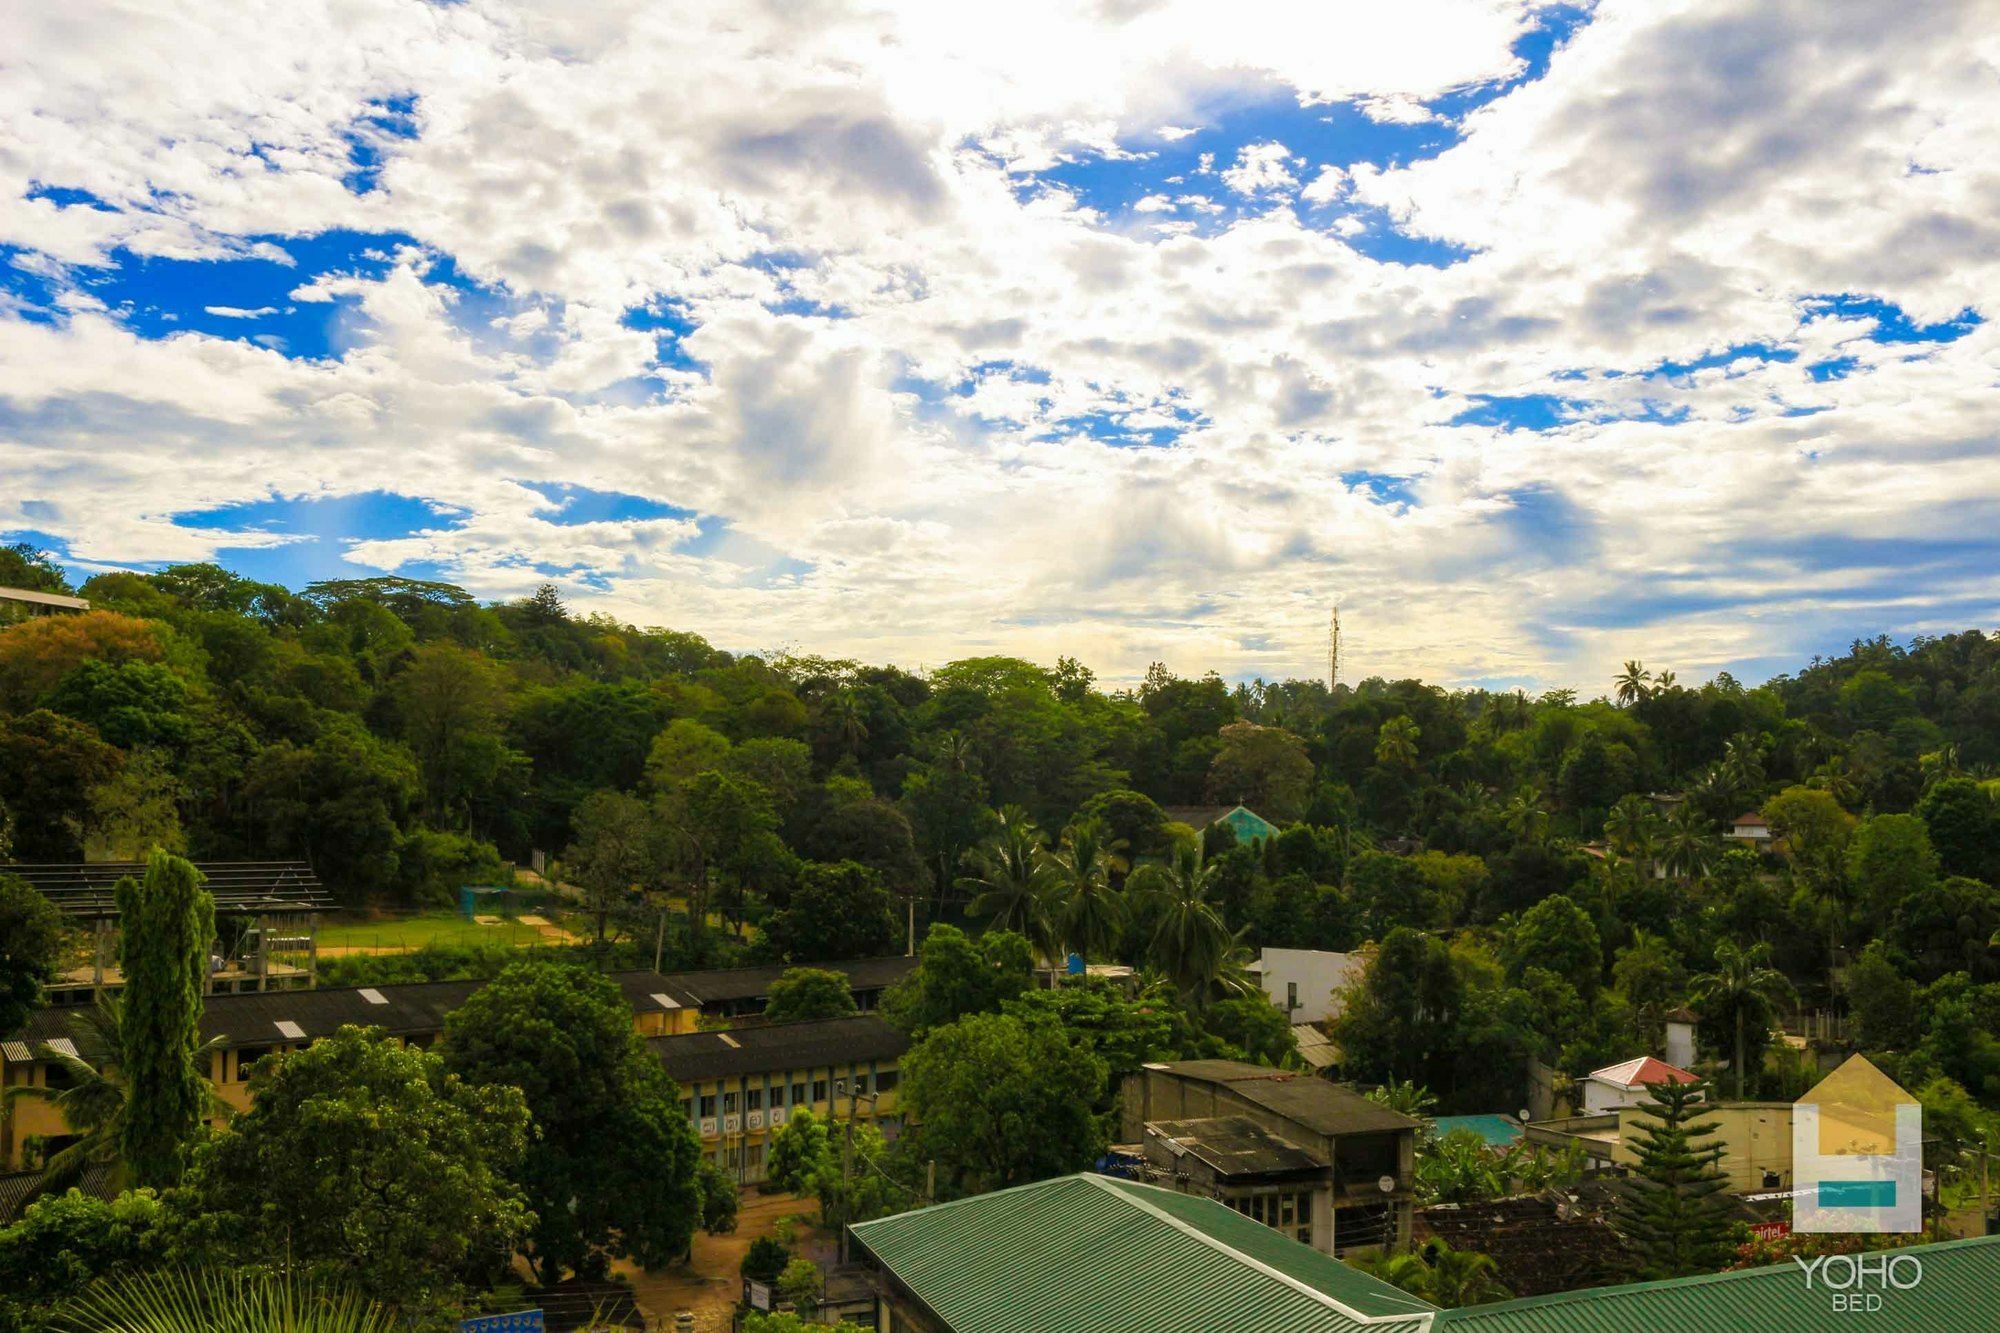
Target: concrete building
x,y
1368,1151
1752,830
1236,1161
1755,1137
1308,983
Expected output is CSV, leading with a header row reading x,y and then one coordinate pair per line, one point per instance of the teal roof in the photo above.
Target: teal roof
x,y
1499,1131
1956,1294
1090,1254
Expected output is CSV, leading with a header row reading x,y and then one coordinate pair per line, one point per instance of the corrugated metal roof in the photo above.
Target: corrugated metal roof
x,y
814,1043
1089,1254
1320,1106
1958,1292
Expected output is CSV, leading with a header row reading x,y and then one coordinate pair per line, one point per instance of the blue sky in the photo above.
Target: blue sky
x,y
1537,336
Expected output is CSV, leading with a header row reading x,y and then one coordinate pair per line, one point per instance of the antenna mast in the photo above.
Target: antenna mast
x,y
1333,650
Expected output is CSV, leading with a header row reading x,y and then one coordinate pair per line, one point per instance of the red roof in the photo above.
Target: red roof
x,y
1754,817
1638,1073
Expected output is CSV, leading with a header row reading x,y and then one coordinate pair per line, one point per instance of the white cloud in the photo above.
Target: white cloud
x,y
238,312
912,365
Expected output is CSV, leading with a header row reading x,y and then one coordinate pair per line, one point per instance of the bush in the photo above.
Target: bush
x,y
800,1283
431,867
764,1260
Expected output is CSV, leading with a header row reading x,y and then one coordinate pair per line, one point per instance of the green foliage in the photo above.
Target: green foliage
x,y
809,992
1436,1272
62,1243
1557,935
31,941
209,1300
167,921
611,1173
998,1101
366,1162
1674,1213
756,1322
718,1198
764,1260
798,1152
956,976
837,910
1254,1026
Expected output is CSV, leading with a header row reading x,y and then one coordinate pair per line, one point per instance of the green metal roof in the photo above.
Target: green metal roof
x,y
1959,1292
1089,1254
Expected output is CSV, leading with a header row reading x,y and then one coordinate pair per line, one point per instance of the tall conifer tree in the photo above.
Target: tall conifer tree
x,y
1672,1212
167,920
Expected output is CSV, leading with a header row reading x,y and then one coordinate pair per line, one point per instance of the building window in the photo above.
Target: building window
x,y
819,1090
1291,995
798,1094
753,1100
778,1098
886,1080
708,1106
729,1103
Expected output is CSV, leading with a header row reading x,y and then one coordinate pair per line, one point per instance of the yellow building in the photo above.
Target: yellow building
x,y
739,1086
855,1062
1755,1137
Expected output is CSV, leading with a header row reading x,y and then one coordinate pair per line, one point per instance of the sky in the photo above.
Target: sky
x,y
1536,337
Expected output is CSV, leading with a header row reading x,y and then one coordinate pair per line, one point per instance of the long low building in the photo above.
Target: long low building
x,y
740,1086
245,1027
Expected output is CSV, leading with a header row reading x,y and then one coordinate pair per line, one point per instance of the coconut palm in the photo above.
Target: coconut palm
x,y
1743,988
1688,847
1089,909
1191,942
221,1300
1631,827
1663,682
1634,683
1743,765
1396,742
1012,880
1526,818
842,715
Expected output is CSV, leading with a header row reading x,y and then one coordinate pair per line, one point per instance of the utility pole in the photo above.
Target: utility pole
x,y
1333,650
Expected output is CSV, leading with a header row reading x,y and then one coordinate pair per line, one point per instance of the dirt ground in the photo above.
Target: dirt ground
x,y
710,1283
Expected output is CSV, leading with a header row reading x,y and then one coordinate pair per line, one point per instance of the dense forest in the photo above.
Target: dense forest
x,y
1539,876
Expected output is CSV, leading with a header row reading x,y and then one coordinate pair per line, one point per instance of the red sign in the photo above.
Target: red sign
x,y
1770,1230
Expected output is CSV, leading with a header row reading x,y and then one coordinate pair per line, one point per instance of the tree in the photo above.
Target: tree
x,y
1089,910
1688,846
1001,1102
618,850
1673,1212
25,566
1558,935
36,654
799,1151
1190,939
1634,684
367,1162
1648,973
1889,859
167,923
611,1173
764,1260
717,1189
1254,1026
1744,993
837,910
1964,826
1011,880
809,992
718,823
447,703
130,703
956,976
1396,743
1391,891
1265,768
31,942
50,769
683,749
61,1244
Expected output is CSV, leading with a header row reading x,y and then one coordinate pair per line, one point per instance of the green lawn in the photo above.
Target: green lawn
x,y
413,932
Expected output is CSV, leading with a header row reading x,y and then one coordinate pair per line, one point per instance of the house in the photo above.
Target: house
x,y
739,1086
1371,1150
1626,1084
1308,983
1087,1252
18,604
1752,830
1083,1253
1246,825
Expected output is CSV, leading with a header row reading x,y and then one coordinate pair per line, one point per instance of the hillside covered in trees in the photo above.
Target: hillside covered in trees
x,y
1540,875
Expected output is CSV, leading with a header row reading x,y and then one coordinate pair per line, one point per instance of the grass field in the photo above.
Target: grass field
x,y
414,932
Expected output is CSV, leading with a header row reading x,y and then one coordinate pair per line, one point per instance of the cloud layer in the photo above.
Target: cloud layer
x,y
1536,336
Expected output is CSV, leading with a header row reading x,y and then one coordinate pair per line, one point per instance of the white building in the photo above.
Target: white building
x,y
1616,1086
1303,982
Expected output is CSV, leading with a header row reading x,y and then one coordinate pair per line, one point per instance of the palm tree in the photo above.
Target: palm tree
x,y
1404,1098
1630,826
1663,682
221,1300
1526,819
1634,683
1396,742
1091,910
1743,987
1743,765
1462,1277
842,713
1191,942
1012,880
1688,849
954,752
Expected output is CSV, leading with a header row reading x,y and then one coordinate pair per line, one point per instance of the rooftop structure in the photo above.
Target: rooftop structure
x,y
1627,1084
695,1057
18,603
1247,825
740,991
